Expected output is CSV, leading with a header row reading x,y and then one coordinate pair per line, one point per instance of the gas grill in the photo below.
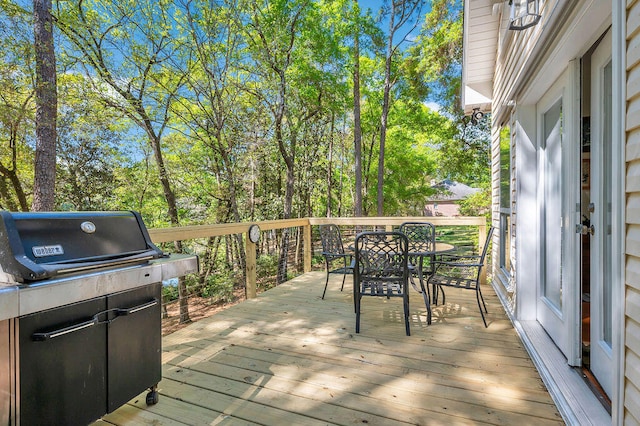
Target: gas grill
x,y
80,313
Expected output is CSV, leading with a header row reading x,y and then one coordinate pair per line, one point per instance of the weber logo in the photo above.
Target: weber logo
x,y
44,251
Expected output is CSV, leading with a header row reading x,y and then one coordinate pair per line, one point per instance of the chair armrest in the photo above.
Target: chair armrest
x,y
336,255
457,264
457,269
453,257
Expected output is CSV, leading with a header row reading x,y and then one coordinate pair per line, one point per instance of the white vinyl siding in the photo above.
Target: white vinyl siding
x,y
632,266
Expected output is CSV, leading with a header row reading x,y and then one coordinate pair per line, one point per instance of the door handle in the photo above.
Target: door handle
x,y
40,337
584,229
138,308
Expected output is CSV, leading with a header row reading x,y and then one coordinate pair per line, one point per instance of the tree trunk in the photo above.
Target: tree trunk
x,y
357,127
46,108
289,160
385,113
284,246
330,166
173,216
403,10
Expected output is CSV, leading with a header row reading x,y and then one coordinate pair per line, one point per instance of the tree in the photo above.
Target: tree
x,y
414,137
136,80
288,45
213,114
88,142
437,57
357,127
17,74
139,80
400,13
46,107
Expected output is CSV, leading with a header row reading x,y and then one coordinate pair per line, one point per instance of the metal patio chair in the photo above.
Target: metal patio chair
x,y
381,269
337,261
461,271
422,238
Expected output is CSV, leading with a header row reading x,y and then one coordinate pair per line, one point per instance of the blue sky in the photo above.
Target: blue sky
x,y
375,6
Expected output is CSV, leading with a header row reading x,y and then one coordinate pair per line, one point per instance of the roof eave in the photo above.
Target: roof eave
x,y
481,28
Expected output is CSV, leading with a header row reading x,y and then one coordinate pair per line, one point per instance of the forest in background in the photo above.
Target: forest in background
x,y
217,111
235,110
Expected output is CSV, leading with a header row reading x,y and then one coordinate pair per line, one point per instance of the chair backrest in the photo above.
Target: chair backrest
x,y
381,263
421,235
485,249
483,254
331,239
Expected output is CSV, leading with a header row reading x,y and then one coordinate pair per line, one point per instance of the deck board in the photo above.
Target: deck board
x,y
289,357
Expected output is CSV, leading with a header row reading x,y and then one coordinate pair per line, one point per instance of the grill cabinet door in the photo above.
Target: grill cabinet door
x,y
134,344
63,378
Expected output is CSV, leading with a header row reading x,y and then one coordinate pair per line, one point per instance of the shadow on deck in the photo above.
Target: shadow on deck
x,y
290,358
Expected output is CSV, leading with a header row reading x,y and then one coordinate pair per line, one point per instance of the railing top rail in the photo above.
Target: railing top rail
x,y
180,233
162,235
398,220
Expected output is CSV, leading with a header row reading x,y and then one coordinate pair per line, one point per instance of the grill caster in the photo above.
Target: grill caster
x,y
152,396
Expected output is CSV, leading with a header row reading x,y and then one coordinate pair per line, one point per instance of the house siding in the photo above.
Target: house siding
x,y
523,62
515,50
632,184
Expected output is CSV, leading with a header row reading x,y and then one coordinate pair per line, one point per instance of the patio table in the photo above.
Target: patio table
x,y
420,253
420,250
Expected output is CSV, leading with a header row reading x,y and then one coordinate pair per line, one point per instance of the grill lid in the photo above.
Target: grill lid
x,y
36,246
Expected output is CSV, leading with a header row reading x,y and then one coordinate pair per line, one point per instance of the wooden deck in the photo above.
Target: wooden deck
x,y
290,358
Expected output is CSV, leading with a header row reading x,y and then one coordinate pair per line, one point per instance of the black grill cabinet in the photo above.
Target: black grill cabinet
x,y
80,315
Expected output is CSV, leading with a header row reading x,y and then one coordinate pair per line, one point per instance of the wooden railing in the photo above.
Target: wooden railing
x,y
162,235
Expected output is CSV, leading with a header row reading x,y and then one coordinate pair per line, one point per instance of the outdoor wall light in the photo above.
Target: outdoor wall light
x,y
476,116
524,14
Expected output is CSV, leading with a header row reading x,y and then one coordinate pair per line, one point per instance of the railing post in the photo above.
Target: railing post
x,y
250,256
306,230
482,237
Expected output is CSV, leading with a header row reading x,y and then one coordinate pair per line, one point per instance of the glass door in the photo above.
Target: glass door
x,y
558,193
600,210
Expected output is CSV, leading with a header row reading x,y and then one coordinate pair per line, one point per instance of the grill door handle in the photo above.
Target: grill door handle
x,y
40,337
138,308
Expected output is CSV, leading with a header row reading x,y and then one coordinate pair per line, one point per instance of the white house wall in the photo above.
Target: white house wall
x,y
527,64
632,268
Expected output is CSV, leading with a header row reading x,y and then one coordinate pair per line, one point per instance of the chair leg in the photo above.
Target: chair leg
x,y
325,285
436,291
406,313
343,278
427,302
482,298
357,305
355,298
478,296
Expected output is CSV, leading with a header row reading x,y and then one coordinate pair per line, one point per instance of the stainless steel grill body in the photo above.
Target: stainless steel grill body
x,y
80,299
